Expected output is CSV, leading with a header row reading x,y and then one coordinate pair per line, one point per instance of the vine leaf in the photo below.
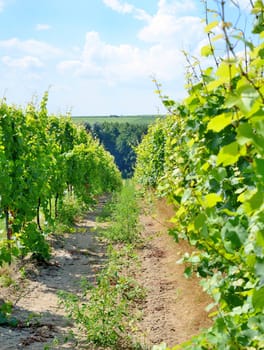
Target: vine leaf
x,y
211,26
258,299
206,50
220,122
229,154
211,199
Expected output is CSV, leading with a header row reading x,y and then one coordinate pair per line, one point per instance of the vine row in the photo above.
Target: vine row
x,y
43,158
207,158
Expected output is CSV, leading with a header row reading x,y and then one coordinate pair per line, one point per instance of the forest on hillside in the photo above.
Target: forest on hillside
x,y
121,140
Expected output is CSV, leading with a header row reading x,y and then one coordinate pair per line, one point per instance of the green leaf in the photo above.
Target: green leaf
x,y
229,212
227,71
220,122
219,173
258,135
260,240
217,37
245,134
248,95
220,323
188,272
231,101
254,203
259,270
229,154
210,26
199,221
233,234
258,299
258,116
259,166
214,84
211,199
206,50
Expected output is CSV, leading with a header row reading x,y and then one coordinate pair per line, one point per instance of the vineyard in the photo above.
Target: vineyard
x,y
204,162
207,158
45,162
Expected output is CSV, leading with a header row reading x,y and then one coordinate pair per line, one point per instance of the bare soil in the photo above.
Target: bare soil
x,y
43,323
174,309
172,312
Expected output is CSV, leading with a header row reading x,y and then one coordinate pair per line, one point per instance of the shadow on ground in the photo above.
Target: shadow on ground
x,y
42,323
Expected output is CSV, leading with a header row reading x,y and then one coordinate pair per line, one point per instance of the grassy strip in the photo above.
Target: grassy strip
x,y
133,119
124,217
104,311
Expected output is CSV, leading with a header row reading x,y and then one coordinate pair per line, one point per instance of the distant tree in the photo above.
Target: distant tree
x,y
120,140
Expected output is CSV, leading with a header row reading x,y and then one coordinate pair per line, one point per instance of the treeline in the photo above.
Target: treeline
x,y
207,158
120,139
43,160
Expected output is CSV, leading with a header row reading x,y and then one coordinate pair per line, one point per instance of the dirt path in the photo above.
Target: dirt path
x,y
174,309
74,256
172,312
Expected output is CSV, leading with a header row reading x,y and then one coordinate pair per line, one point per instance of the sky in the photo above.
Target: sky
x,y
99,57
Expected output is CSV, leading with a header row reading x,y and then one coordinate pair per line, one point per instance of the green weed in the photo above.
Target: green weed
x,y
33,319
2,229
5,315
34,241
69,210
6,280
104,311
125,212
106,211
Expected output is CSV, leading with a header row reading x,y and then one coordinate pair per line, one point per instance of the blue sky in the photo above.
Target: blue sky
x,y
97,57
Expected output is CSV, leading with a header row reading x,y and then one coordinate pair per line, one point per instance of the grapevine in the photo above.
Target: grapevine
x,y
42,159
209,163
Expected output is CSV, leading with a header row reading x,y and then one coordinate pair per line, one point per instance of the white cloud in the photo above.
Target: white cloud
x,y
31,47
115,63
23,62
109,72
2,4
173,25
166,33
125,8
172,7
175,7
43,26
119,6
183,32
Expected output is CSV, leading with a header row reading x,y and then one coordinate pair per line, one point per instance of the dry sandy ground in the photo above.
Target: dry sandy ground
x,y
172,312
74,256
174,309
